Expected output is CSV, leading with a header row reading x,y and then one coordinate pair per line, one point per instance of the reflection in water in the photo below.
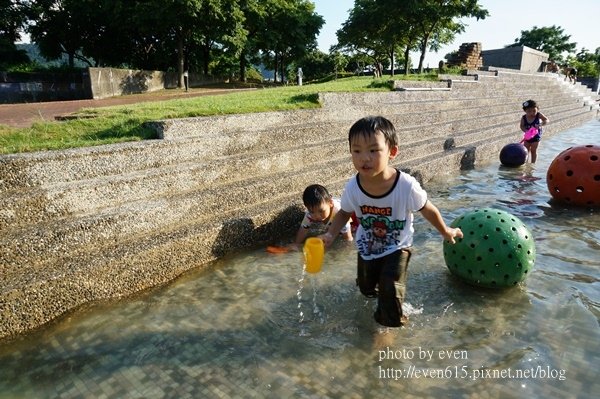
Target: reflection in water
x,y
256,325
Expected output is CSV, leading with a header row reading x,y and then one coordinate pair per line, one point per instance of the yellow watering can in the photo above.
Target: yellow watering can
x,y
314,250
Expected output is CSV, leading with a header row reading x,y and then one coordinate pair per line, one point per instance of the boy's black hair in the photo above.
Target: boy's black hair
x,y
529,104
370,125
315,195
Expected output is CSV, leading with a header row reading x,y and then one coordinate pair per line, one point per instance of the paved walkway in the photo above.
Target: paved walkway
x,y
24,115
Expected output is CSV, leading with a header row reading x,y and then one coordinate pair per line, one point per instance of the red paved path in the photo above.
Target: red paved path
x,y
23,115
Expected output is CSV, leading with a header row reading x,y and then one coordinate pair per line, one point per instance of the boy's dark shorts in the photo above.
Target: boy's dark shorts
x,y
385,279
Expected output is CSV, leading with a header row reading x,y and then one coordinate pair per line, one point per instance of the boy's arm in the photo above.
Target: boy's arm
x,y
339,221
433,216
301,235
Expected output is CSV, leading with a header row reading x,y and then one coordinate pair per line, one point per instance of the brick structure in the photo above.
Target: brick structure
x,y
468,56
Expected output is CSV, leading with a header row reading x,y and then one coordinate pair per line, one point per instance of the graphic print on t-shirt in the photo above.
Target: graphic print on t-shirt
x,y
380,232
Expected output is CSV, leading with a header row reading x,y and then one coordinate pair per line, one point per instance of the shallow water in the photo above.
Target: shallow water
x,y
255,325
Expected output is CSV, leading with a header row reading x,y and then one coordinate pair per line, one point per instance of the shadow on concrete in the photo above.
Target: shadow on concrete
x,y
283,226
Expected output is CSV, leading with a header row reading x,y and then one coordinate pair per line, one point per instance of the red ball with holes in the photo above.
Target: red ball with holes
x,y
574,176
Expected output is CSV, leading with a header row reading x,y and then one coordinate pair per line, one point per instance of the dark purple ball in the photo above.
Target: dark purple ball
x,y
513,154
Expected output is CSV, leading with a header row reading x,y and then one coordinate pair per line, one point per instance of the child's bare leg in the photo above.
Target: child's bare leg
x,y
528,147
534,147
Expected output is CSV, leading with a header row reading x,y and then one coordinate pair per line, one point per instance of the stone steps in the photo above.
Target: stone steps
x,y
120,218
71,197
75,197
91,195
45,168
475,148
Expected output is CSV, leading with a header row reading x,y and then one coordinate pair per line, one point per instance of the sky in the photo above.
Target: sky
x,y
578,18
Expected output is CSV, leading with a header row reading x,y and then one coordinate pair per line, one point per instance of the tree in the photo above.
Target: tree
x,y
13,16
402,19
142,34
339,62
219,27
551,40
357,63
254,23
293,28
366,32
384,26
436,21
587,63
202,35
60,28
315,65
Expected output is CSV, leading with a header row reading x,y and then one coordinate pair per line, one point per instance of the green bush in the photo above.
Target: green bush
x,y
253,75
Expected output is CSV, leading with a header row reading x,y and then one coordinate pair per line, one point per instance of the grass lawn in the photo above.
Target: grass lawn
x,y
126,122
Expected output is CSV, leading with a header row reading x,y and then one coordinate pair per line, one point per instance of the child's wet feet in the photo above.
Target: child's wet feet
x,y
384,337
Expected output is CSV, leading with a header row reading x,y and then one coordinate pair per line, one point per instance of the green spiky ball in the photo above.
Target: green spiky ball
x,y
497,249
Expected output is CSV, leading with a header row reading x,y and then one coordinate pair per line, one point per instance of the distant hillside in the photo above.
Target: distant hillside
x,y
33,52
266,73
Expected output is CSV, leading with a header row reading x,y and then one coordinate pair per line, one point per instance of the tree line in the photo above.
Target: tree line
x,y
218,37
227,37
224,37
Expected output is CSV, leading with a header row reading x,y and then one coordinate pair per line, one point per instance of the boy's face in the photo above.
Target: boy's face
x,y
371,154
321,212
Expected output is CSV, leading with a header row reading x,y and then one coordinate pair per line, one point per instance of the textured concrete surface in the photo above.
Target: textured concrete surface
x,y
94,223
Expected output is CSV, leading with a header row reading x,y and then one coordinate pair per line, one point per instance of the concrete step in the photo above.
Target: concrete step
x,y
485,150
421,167
81,211
585,93
513,132
509,91
484,98
33,294
51,167
22,207
474,152
508,119
148,204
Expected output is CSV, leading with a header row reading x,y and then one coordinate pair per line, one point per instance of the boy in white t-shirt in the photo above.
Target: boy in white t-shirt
x,y
384,199
321,208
